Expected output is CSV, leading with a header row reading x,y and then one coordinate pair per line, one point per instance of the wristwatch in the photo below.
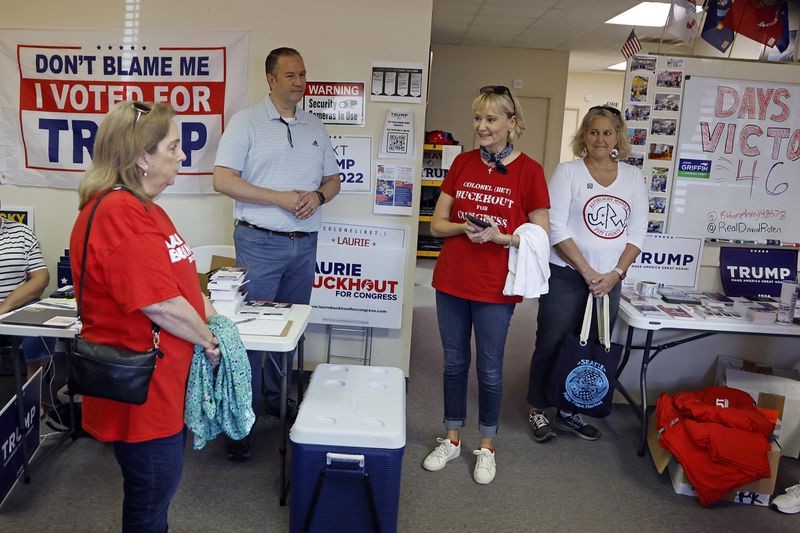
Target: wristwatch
x,y
321,197
620,272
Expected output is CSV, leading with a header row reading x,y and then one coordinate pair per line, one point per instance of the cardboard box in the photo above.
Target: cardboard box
x,y
217,262
756,493
754,384
724,362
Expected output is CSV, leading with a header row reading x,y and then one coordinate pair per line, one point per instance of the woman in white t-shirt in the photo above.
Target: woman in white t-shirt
x,y
598,221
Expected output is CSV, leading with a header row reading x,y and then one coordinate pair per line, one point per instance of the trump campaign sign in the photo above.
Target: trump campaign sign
x,y
58,85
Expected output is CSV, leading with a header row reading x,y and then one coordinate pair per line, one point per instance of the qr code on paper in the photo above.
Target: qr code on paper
x,y
398,143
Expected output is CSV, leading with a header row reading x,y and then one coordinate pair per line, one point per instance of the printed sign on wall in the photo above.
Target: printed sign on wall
x,y
336,102
59,84
23,215
354,156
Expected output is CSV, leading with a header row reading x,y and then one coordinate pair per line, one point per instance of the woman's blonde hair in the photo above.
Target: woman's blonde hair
x,y
125,134
503,101
623,148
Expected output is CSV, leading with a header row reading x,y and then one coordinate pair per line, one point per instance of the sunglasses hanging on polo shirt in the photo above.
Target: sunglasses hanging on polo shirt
x,y
288,132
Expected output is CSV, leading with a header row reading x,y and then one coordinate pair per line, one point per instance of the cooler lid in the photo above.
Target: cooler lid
x,y
355,406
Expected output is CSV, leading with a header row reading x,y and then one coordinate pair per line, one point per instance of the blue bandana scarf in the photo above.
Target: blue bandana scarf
x,y
496,158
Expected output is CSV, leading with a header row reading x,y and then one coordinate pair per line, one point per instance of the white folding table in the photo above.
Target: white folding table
x,y
695,329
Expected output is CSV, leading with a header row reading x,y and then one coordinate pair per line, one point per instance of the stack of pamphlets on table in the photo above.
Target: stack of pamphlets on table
x,y
714,313
677,312
672,295
265,309
226,290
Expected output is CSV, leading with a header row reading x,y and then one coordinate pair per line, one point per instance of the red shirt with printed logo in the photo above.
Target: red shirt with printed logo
x,y
478,271
136,258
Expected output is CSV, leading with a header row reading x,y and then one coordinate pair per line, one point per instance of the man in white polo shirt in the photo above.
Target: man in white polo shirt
x,y
276,161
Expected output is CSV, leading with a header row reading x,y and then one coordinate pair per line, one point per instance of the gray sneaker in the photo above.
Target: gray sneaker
x,y
575,424
540,426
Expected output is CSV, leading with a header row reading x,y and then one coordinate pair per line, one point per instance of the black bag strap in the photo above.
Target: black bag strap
x,y
155,327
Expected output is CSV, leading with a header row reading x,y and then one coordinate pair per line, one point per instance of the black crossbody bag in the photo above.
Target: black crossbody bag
x,y
105,371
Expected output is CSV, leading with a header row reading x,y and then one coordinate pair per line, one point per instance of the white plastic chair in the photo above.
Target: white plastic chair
x,y
203,254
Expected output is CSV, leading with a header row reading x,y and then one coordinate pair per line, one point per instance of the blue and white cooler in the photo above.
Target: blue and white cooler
x,y
347,450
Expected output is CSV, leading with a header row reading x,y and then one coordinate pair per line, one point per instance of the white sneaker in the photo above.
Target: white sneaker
x,y
789,502
485,467
445,452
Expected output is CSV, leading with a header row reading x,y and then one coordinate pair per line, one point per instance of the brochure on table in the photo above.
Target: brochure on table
x,y
668,260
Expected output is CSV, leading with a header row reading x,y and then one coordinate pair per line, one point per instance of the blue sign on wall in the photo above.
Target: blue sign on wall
x,y
756,271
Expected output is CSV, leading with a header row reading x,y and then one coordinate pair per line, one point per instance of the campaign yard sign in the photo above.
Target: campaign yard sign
x,y
360,274
668,260
12,436
756,271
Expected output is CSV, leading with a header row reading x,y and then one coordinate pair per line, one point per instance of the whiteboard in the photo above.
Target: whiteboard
x,y
737,171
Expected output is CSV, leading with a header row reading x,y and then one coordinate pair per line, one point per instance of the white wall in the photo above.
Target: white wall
x,y
584,90
458,72
338,42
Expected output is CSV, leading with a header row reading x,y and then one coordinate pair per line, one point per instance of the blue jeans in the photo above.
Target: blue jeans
x,y
561,313
280,269
151,473
457,318
37,348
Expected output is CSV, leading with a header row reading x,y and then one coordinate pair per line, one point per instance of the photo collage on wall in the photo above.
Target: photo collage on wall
x,y
652,96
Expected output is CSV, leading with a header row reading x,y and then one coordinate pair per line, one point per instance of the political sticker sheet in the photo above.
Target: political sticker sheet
x,y
59,84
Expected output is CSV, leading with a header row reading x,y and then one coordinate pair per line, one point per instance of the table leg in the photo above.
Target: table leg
x,y
643,386
620,387
300,372
284,424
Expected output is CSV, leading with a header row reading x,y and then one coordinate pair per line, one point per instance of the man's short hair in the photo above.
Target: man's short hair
x,y
271,64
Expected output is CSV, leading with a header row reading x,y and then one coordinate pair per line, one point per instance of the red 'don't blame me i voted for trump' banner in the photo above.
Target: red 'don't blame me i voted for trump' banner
x,y
69,80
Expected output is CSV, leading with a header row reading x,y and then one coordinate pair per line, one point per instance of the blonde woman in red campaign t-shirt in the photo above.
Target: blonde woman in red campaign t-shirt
x,y
505,189
138,270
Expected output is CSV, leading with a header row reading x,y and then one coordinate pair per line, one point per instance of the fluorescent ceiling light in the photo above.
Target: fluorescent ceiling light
x,y
619,66
653,14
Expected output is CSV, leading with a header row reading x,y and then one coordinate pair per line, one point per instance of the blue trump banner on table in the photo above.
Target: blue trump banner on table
x,y
11,435
756,271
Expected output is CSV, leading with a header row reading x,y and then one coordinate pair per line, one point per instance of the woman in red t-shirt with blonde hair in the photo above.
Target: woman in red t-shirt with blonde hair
x,y
138,270
505,189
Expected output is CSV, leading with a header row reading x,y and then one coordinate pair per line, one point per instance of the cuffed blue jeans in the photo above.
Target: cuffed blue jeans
x,y
560,313
151,473
280,269
457,319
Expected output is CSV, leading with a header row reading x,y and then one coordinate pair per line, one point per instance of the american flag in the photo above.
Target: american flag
x,y
632,46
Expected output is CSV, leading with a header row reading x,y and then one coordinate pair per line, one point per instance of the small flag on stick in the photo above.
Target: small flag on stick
x,y
632,46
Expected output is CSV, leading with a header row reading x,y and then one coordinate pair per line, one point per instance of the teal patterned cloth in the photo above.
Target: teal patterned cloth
x,y
222,400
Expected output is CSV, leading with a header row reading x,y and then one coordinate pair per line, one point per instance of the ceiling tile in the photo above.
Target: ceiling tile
x,y
511,22
503,10
451,18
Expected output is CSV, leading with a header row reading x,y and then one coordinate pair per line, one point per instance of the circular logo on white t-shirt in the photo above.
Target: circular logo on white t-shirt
x,y
606,216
